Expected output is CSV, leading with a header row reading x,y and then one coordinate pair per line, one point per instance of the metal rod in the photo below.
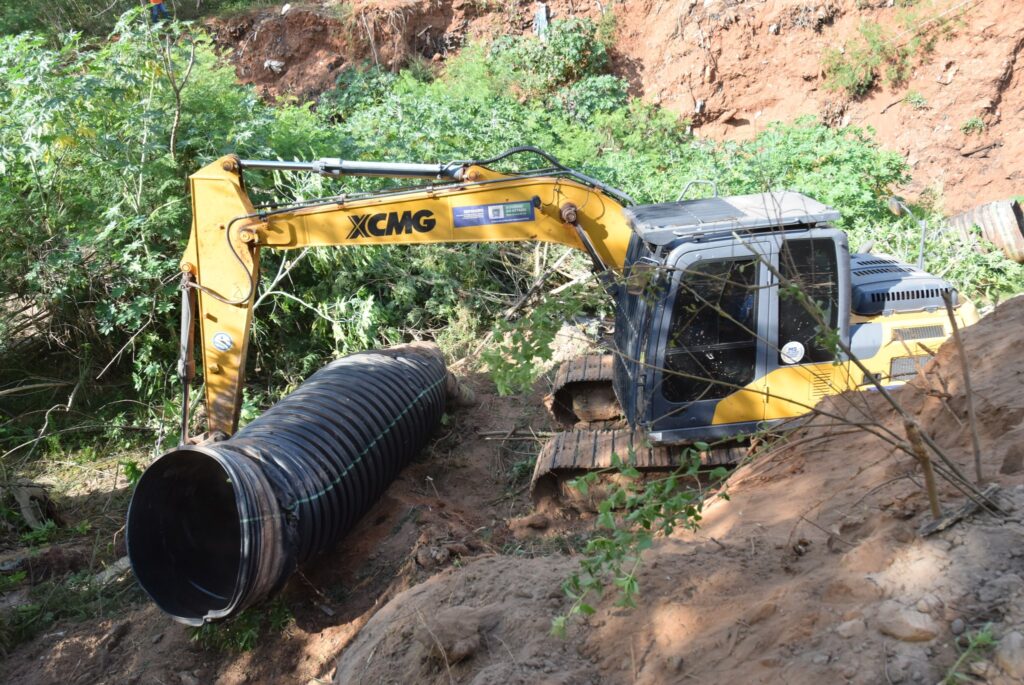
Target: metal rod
x,y
335,167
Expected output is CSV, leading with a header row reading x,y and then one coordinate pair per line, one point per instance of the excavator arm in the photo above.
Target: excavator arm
x,y
220,268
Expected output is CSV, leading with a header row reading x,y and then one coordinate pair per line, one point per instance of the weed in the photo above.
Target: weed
x,y
11,580
41,535
522,469
76,597
876,55
132,470
974,125
646,508
979,643
242,633
915,100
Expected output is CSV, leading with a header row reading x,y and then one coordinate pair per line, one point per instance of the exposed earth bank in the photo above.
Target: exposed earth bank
x,y
730,66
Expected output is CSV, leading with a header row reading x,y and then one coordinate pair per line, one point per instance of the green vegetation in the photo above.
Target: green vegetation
x,y
879,54
978,645
633,512
74,597
915,100
243,632
974,125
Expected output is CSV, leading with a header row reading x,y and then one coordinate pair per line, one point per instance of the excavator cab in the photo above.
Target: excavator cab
x,y
701,345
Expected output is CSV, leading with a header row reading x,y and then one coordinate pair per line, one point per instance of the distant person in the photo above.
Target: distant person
x,y
157,11
541,19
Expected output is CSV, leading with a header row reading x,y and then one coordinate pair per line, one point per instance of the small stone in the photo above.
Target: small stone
x,y
905,624
1009,654
820,659
773,29
848,672
158,637
760,613
851,628
981,667
957,627
429,557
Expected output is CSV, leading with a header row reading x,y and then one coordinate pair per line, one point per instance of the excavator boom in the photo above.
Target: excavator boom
x,y
471,204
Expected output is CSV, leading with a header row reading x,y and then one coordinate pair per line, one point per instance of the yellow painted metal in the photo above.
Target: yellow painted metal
x,y
790,391
222,220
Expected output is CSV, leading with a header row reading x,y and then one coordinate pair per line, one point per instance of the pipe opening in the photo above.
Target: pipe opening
x,y
184,535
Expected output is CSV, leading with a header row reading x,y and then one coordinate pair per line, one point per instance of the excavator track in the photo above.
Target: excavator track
x,y
572,453
582,391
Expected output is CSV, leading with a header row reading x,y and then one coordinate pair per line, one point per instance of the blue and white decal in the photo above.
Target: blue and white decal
x,y
501,213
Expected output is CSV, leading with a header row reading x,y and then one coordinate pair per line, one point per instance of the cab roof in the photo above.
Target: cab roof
x,y
669,222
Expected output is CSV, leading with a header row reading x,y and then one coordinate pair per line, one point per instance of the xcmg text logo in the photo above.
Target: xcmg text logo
x,y
391,223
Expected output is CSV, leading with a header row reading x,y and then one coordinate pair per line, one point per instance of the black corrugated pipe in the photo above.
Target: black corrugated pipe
x,y
215,528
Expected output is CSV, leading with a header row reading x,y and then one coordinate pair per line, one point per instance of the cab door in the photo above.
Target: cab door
x,y
708,343
810,307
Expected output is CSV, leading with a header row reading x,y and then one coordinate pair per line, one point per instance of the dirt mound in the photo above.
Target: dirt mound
x,y
481,624
813,572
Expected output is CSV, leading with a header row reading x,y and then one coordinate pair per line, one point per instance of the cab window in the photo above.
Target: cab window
x,y
807,266
712,343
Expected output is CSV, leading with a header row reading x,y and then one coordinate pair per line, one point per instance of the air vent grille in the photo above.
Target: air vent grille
x,y
906,295
918,332
905,368
877,261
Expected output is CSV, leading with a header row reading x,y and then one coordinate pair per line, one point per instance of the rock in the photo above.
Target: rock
x,y
274,65
457,549
453,634
1009,654
528,525
773,29
981,667
998,590
851,628
428,557
820,659
760,613
958,626
929,604
905,624
284,10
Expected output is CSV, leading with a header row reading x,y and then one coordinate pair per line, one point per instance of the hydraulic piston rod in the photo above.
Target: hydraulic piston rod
x,y
334,167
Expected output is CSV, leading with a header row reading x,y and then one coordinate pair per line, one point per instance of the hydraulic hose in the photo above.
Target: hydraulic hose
x,y
215,528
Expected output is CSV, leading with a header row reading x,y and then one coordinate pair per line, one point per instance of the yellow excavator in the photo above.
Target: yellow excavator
x,y
713,339
729,315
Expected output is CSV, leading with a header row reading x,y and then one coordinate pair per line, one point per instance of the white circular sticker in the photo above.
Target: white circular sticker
x,y
222,341
792,352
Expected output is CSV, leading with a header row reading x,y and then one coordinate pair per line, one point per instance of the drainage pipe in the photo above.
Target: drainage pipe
x,y
215,528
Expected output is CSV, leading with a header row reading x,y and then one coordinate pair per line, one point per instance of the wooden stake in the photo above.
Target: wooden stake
x,y
975,443
917,444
